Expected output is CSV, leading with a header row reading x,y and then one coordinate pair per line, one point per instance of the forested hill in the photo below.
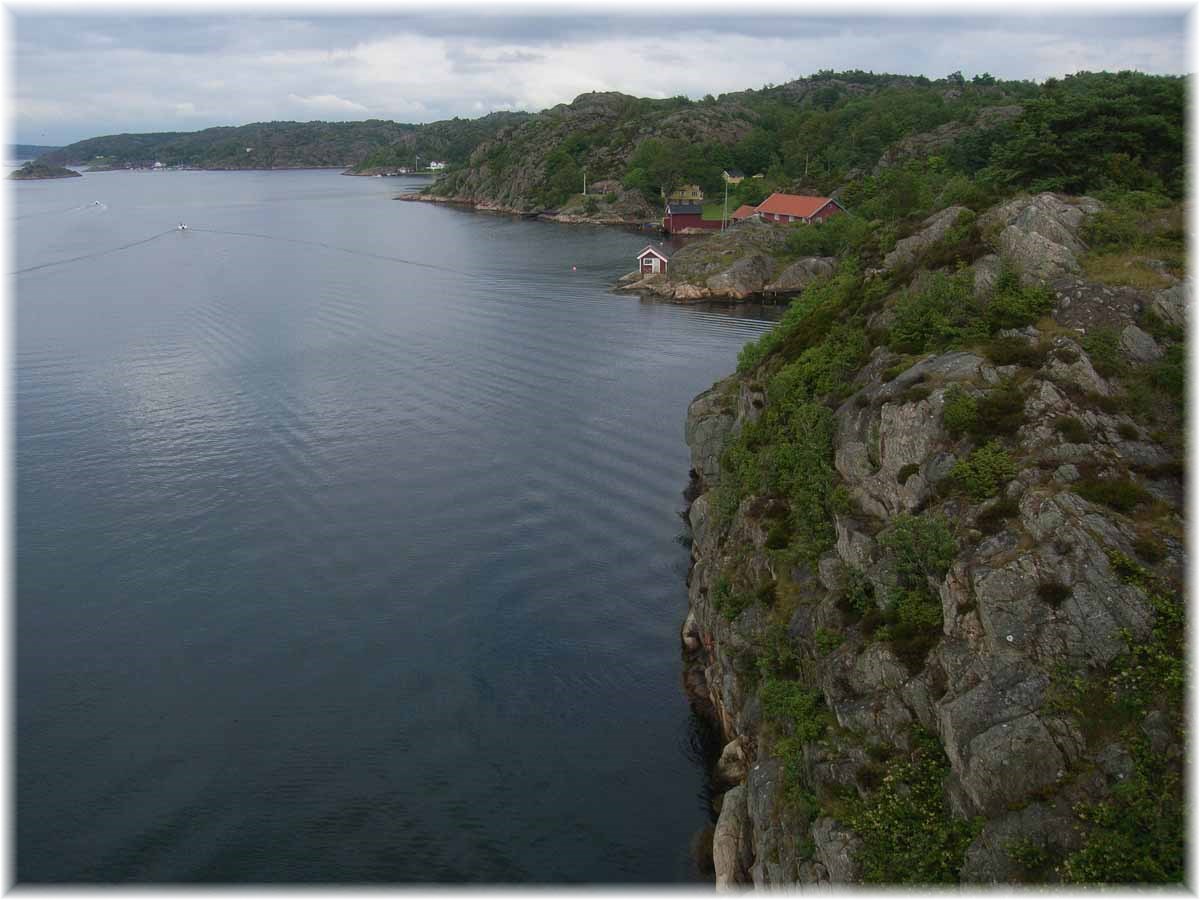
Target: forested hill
x,y
835,131
28,151
277,145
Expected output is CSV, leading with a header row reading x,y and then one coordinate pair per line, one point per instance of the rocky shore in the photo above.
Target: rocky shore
x,y
607,203
1003,727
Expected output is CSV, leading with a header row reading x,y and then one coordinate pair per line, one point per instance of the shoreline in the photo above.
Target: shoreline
x,y
544,215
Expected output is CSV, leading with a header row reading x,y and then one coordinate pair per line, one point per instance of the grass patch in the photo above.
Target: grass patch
x,y
1121,494
1126,268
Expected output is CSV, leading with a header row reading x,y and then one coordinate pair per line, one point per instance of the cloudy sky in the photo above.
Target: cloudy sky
x,y
81,75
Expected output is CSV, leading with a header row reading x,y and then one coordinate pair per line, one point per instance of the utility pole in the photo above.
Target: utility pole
x,y
585,181
725,208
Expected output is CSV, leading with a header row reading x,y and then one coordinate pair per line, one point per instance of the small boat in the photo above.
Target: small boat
x,y
182,227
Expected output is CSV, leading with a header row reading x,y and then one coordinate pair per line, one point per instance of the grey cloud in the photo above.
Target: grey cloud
x,y
78,76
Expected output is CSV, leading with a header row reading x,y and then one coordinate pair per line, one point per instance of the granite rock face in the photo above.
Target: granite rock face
x,y
932,230
1037,593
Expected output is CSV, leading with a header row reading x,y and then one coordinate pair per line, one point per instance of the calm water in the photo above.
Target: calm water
x,y
346,539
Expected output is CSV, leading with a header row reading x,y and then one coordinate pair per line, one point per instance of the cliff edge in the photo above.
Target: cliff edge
x,y
936,594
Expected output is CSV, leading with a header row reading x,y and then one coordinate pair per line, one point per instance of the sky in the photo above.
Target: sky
x,y
86,72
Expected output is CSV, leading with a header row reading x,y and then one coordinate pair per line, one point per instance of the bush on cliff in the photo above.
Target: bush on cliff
x,y
909,836
985,471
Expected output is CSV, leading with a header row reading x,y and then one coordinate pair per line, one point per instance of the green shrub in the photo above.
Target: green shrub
x,y
730,602
1103,346
911,624
923,547
1014,306
909,835
610,197
999,412
915,393
1128,432
985,471
1170,372
793,710
936,315
827,641
1014,351
858,594
959,411
1149,548
1121,494
776,655
778,536
992,519
1072,430
836,236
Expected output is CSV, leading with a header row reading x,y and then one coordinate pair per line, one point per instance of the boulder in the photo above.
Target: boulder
x,y
731,841
802,272
731,767
1040,235
932,230
1138,345
749,275
1171,304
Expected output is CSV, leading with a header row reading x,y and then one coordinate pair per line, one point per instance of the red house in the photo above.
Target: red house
x,y
652,261
797,208
745,211
687,215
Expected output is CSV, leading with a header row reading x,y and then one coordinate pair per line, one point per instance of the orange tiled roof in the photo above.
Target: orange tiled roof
x,y
743,212
792,205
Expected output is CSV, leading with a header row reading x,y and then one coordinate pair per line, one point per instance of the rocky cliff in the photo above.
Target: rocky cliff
x,y
935,602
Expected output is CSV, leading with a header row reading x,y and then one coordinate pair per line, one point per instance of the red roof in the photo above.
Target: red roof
x,y
743,212
793,205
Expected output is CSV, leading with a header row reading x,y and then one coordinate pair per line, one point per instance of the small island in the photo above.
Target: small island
x,y
33,170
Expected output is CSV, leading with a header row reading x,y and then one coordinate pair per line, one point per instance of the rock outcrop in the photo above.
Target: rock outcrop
x,y
745,260
1039,593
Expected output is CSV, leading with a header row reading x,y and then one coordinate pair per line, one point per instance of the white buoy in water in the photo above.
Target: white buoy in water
x,y
182,227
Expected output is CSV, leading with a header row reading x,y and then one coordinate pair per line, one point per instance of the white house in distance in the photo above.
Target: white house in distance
x,y
436,166
652,261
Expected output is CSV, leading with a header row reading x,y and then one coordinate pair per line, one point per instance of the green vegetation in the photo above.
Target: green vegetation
x,y
959,411
1072,430
793,710
985,471
374,143
827,641
1121,494
34,170
909,835
1136,835
911,622
943,312
1103,346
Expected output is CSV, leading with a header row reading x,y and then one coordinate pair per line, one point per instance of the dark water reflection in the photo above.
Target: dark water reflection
x,y
346,539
